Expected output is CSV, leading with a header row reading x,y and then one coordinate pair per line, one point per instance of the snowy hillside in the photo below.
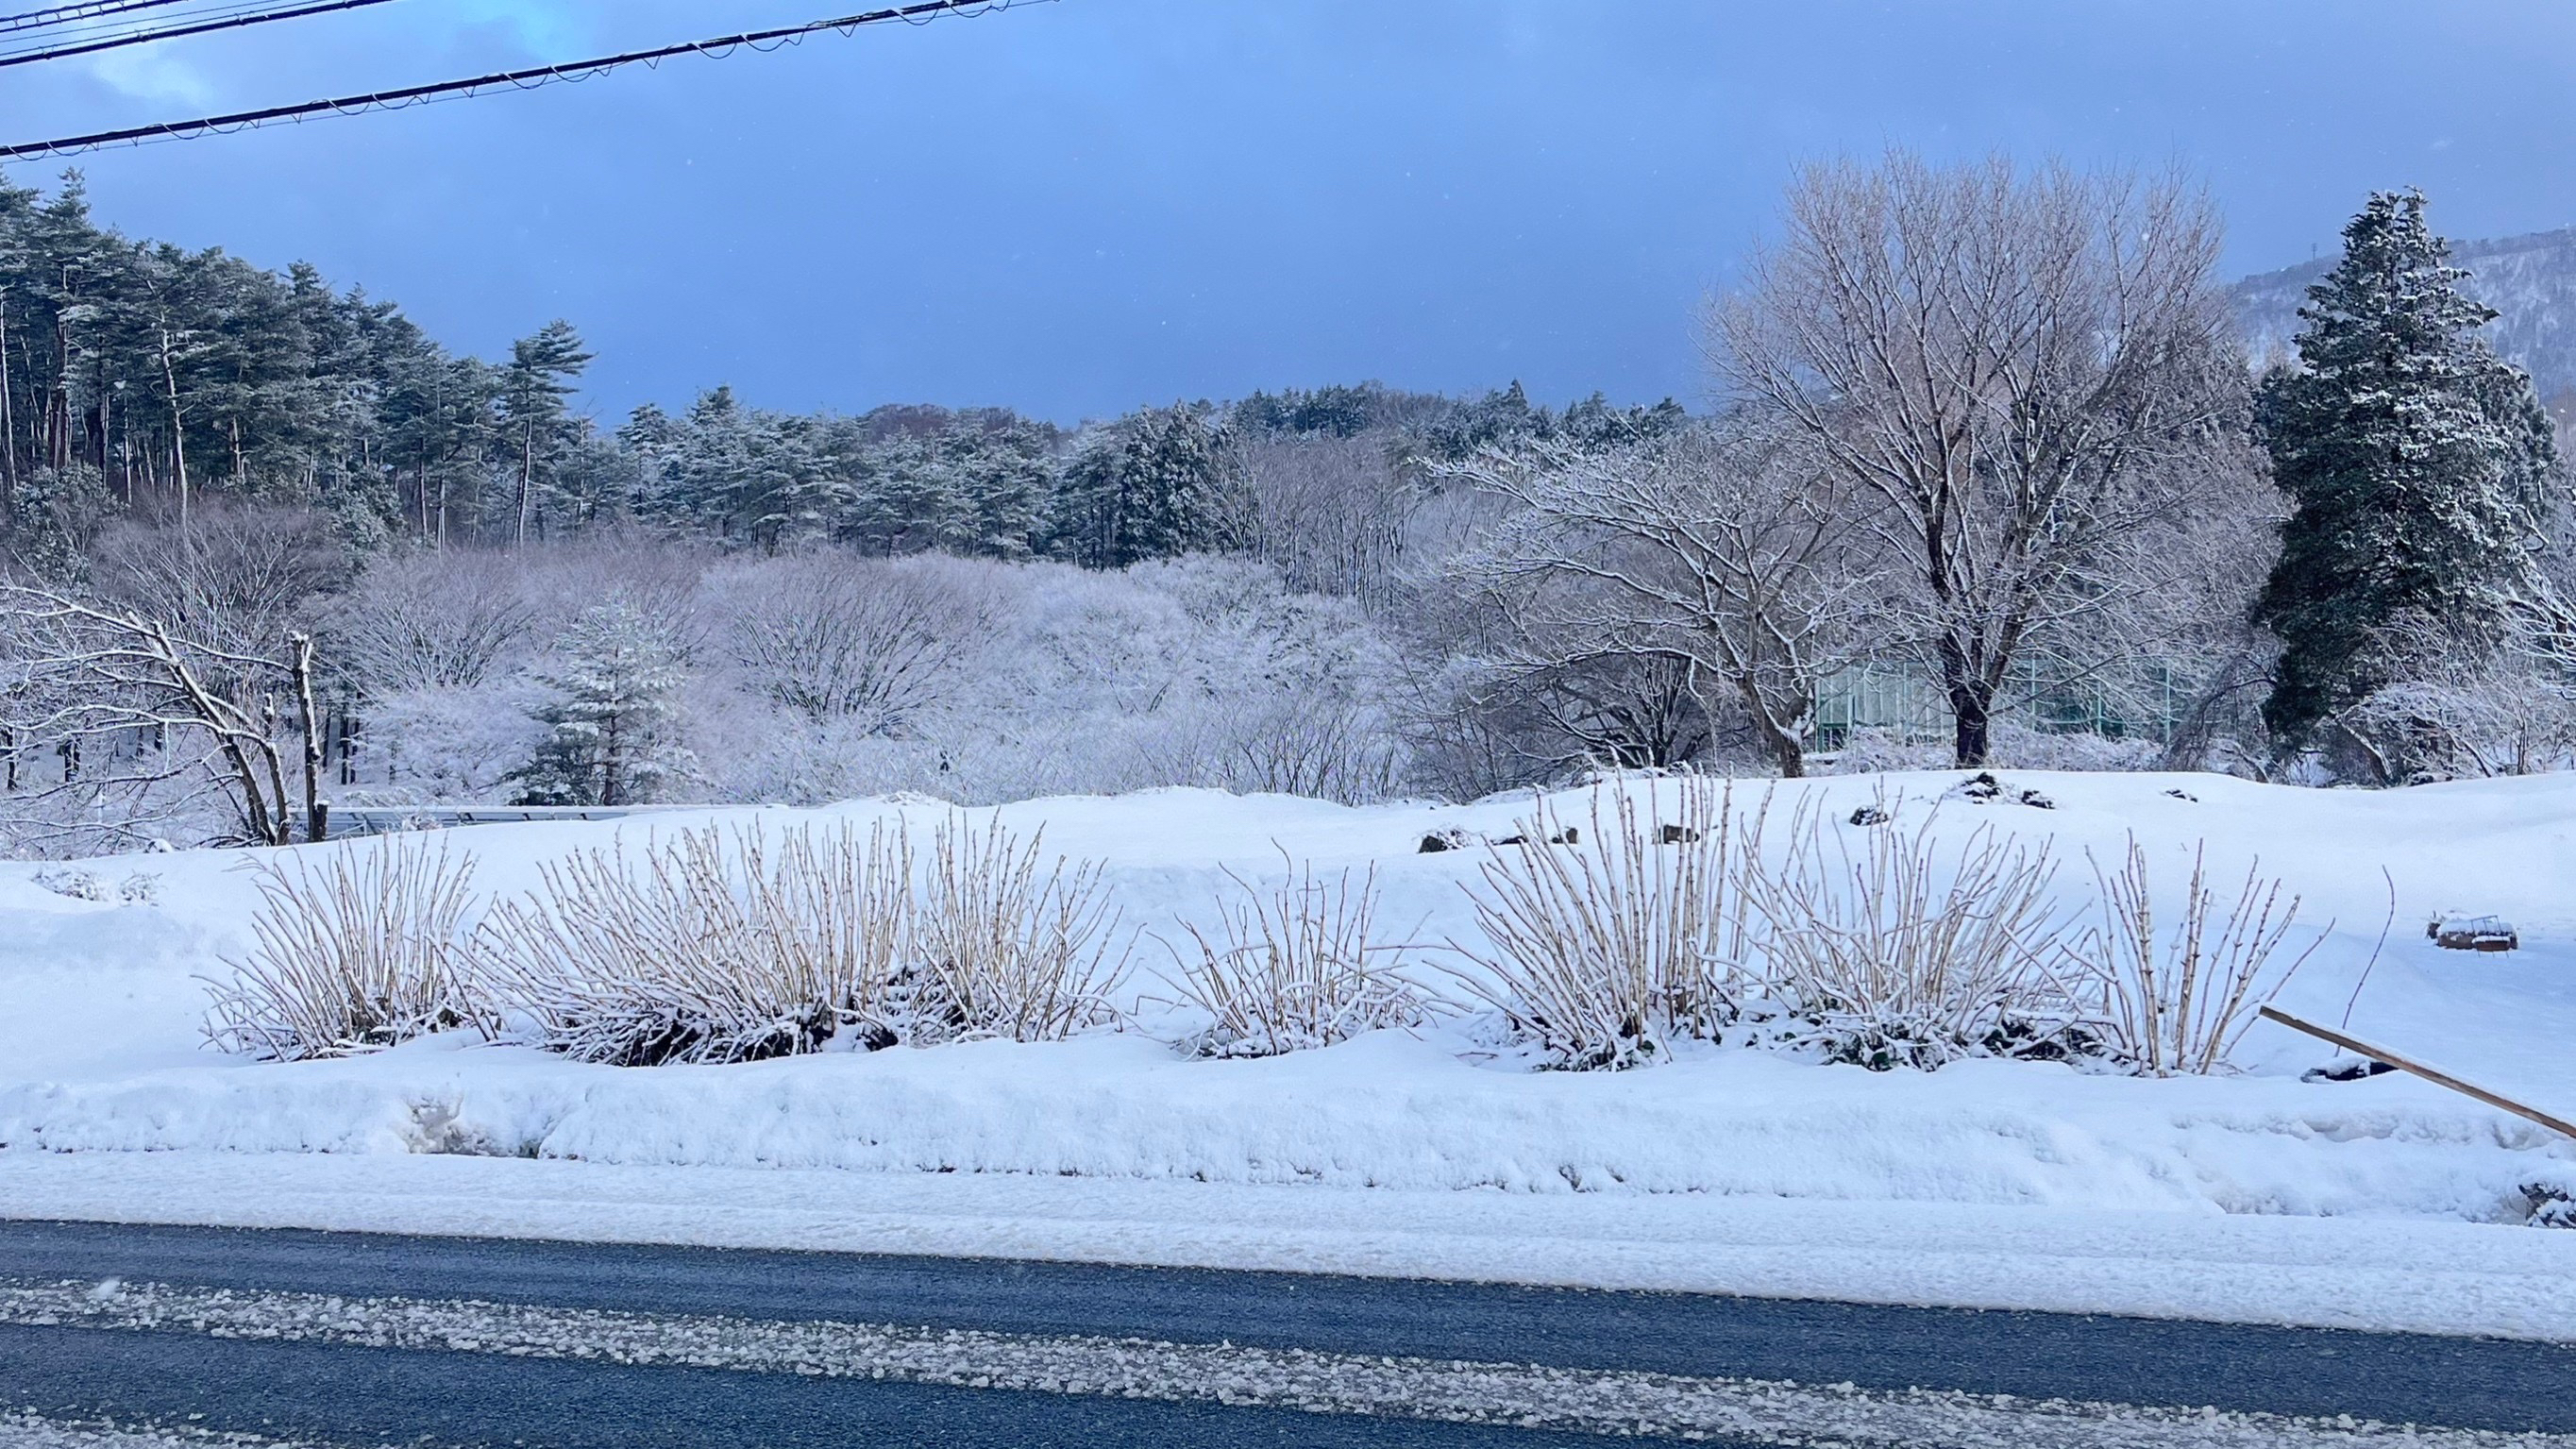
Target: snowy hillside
x,y
101,1047
2530,280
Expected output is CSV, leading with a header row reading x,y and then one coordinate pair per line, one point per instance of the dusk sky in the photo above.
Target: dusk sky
x,y
1079,206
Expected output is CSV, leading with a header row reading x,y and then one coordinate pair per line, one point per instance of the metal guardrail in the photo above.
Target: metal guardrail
x,y
387,819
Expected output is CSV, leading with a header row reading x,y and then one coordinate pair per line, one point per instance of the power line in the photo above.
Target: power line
x,y
65,14
72,30
148,34
921,12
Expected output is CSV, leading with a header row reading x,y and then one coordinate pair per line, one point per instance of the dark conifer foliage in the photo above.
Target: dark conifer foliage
x,y
2420,468
142,380
1155,484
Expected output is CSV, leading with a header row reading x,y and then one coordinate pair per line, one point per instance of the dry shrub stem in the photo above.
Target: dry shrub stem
x,y
1906,949
358,950
1664,920
2183,1007
714,946
1290,968
1863,942
1603,951
1014,946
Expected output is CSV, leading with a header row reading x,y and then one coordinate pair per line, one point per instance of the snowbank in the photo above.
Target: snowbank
x,y
99,1004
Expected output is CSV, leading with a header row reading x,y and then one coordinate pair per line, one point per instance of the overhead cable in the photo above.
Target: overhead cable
x,y
146,35
66,14
531,78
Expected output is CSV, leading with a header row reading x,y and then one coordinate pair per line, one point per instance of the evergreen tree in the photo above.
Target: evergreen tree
x,y
746,475
533,390
439,419
903,497
2418,465
611,736
171,374
1004,468
1156,483
651,438
598,481
57,515
976,481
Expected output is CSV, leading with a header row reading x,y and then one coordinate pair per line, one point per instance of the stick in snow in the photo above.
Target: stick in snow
x,y
2438,1078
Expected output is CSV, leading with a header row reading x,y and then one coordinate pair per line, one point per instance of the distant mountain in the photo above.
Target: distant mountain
x,y
2530,279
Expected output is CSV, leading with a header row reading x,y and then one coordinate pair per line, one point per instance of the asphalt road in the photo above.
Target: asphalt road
x,y
363,1339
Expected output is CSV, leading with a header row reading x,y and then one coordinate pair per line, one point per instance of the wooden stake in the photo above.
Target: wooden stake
x,y
2438,1078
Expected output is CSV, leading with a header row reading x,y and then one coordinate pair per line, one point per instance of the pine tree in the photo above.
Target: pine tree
x,y
903,497
534,387
2419,467
746,475
1005,473
1157,483
651,438
611,736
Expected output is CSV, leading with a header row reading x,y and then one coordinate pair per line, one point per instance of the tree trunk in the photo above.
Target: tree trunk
x,y
1789,754
8,433
105,412
527,479
1971,696
1972,706
1787,746
1972,715
316,809
58,400
178,434
612,788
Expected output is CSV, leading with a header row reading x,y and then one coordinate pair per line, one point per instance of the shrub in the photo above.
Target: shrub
x,y
358,948
1290,969
1011,948
1607,941
2183,1008
715,946
1906,949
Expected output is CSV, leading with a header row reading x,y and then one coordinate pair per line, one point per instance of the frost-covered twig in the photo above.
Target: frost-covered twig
x,y
1907,949
1013,947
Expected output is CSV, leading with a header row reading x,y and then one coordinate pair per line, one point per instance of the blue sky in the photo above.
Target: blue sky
x,y
1078,206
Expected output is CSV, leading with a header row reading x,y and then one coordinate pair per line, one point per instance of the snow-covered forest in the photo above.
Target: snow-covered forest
x,y
271,548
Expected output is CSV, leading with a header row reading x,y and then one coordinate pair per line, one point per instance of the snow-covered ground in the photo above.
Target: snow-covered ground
x,y
100,1055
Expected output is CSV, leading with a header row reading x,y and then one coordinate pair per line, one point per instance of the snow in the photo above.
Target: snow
x,y
1418,1142
2393,1274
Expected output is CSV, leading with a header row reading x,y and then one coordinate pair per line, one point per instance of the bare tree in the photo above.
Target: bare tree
x,y
1329,513
439,619
2022,369
236,578
835,637
88,677
1725,551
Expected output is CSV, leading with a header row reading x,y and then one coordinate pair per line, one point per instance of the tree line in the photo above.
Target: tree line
x,y
138,379
1987,426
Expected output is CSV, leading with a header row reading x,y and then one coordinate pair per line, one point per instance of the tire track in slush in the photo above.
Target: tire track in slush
x,y
1502,1395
